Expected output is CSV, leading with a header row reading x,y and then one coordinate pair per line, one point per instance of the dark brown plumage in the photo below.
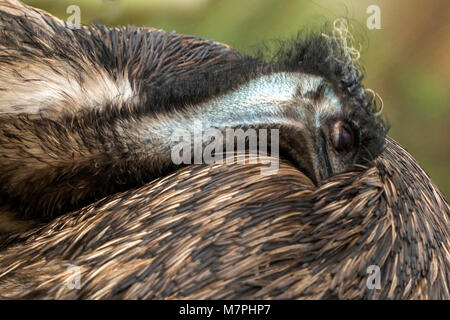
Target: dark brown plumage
x,y
225,232
217,231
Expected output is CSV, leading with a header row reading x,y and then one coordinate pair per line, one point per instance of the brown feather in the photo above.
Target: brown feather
x,y
227,232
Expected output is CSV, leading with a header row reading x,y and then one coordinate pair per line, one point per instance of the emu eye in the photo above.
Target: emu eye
x,y
342,137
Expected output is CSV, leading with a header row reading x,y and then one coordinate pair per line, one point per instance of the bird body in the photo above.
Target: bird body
x,y
226,232
87,177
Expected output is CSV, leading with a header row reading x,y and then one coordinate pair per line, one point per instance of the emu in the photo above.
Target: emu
x,y
86,178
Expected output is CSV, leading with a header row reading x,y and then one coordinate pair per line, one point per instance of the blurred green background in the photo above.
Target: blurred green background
x,y
407,61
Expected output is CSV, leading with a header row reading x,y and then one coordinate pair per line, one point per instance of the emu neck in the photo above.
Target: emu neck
x,y
263,102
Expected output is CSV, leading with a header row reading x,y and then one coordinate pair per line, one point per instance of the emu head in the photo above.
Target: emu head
x,y
324,128
342,122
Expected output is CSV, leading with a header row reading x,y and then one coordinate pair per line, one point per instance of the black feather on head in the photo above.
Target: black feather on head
x,y
330,54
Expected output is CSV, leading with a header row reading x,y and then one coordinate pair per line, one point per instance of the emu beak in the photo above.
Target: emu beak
x,y
320,167
308,153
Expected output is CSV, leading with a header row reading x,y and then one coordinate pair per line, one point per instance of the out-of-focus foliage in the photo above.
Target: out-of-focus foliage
x,y
407,61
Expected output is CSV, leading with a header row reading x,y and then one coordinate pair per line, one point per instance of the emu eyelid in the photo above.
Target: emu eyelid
x,y
342,137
